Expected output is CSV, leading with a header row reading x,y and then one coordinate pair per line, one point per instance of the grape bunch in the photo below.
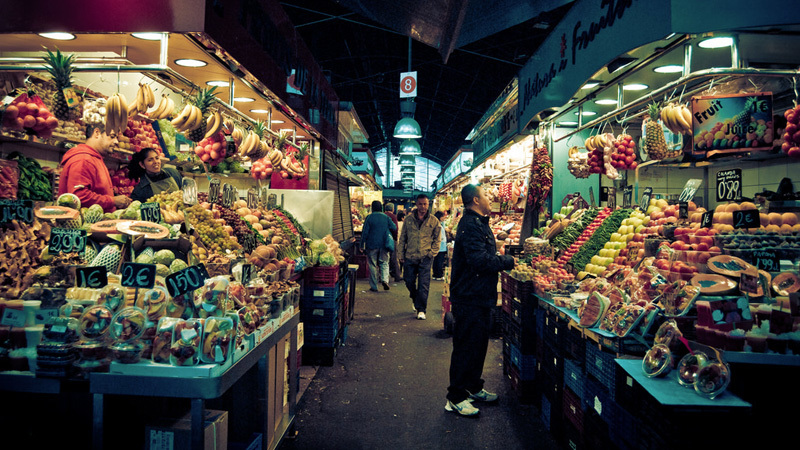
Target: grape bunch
x,y
211,232
235,221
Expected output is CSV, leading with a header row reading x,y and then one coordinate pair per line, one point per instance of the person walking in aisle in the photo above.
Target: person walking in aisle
x,y
376,240
473,292
401,215
419,243
440,260
394,267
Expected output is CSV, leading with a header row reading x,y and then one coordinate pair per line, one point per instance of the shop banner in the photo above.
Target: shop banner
x,y
732,123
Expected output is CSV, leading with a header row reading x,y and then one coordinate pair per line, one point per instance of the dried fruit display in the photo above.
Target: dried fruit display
x,y
541,180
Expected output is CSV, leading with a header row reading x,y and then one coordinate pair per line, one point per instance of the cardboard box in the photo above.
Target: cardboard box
x,y
174,434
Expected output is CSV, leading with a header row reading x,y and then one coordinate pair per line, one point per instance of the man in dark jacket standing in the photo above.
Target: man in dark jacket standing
x,y
473,292
374,236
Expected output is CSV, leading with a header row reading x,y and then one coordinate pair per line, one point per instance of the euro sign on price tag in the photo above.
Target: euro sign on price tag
x,y
151,212
19,210
729,185
707,219
747,218
67,240
186,280
91,277
137,275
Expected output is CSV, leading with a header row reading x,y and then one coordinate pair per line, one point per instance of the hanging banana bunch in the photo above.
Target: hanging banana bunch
x,y
116,113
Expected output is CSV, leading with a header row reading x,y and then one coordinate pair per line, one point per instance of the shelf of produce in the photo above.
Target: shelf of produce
x,y
28,382
117,155
668,392
198,389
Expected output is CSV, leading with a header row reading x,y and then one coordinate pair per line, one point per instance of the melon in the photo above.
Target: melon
x,y
731,207
162,270
69,201
772,228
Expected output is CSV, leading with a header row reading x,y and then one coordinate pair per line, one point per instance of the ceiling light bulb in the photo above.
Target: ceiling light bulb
x,y
188,62
58,36
590,85
259,111
148,36
606,101
568,123
635,87
243,99
588,113
218,83
407,128
716,42
669,68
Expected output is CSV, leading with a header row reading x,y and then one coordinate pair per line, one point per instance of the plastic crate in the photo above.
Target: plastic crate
x,y
322,297
596,398
320,334
506,302
575,344
321,276
343,334
595,431
525,389
573,438
551,416
320,315
539,319
628,392
573,408
553,361
601,366
525,340
319,356
555,330
624,433
574,377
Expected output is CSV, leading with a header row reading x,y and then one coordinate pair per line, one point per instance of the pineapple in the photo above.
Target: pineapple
x,y
742,120
260,129
203,100
655,143
60,68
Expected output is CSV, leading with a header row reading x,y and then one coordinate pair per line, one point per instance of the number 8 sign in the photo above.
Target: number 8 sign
x,y
408,84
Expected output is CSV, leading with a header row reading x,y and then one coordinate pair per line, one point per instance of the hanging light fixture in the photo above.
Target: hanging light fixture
x,y
406,169
410,147
407,160
407,128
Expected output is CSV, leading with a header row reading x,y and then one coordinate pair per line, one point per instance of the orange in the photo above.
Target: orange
x,y
773,228
732,207
726,218
747,205
786,229
764,219
790,218
775,219
796,228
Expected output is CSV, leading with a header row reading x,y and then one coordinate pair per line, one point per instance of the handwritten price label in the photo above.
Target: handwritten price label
x,y
683,210
766,260
186,280
705,221
252,198
747,218
729,185
689,190
21,210
229,195
67,240
151,212
91,277
214,191
247,273
646,196
627,196
137,275
13,318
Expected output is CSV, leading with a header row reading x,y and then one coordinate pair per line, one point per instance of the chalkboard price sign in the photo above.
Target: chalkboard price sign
x,y
151,212
229,195
249,242
67,240
264,197
747,218
186,280
646,196
683,210
20,210
707,219
252,198
612,198
247,273
627,196
214,191
766,260
729,185
137,275
748,283
91,277
689,190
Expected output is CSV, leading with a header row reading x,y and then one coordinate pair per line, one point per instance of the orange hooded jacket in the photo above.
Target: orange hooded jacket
x,y
84,173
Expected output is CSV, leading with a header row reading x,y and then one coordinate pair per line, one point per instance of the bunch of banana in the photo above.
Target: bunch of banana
x,y
237,134
250,144
598,142
145,98
678,118
213,124
228,125
189,119
116,113
164,108
275,157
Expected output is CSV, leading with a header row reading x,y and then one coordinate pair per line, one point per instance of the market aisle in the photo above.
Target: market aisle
x,y
387,387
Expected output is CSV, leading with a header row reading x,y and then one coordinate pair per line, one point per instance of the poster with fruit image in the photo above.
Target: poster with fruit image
x,y
732,123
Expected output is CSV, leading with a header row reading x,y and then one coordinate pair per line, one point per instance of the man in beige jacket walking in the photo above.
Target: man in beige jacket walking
x,y
418,244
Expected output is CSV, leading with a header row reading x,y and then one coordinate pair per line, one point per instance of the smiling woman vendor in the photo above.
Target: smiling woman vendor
x,y
153,178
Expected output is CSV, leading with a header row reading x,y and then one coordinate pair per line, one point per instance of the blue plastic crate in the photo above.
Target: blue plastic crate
x,y
317,315
545,411
596,398
574,377
323,297
602,367
540,313
320,334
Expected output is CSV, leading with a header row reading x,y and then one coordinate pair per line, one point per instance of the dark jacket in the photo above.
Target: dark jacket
x,y
418,240
143,191
394,219
376,226
476,263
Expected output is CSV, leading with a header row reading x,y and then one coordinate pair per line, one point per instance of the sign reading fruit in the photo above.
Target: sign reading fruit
x,y
732,123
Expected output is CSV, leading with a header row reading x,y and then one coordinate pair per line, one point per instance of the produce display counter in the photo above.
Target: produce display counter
x,y
27,382
200,389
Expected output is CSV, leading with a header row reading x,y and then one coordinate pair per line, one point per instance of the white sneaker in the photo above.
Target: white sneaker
x,y
464,408
421,315
483,396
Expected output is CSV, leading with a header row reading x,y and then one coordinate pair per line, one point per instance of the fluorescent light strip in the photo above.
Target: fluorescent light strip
x,y
606,101
147,36
587,113
590,85
243,99
716,42
58,36
634,87
218,83
188,62
669,68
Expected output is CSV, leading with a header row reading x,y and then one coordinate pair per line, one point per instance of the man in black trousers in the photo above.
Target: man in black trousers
x,y
473,293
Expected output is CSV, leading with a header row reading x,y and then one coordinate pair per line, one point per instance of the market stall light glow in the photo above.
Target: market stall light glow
x,y
591,85
407,128
568,123
58,36
669,68
218,83
635,87
243,99
716,42
188,62
407,160
606,101
147,36
587,113
410,147
260,111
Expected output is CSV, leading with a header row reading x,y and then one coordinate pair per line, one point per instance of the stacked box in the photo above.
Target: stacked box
x,y
601,366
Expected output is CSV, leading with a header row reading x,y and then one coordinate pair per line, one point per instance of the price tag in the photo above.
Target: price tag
x,y
13,318
264,197
229,195
766,260
646,196
612,198
151,212
72,97
230,146
729,185
683,210
214,191
67,240
627,196
91,277
707,218
186,280
272,201
21,210
747,218
137,275
748,283
252,198
249,242
189,191
44,315
247,273
689,190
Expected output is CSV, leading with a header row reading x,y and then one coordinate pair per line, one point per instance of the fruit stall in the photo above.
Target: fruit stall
x,y
191,300
660,287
